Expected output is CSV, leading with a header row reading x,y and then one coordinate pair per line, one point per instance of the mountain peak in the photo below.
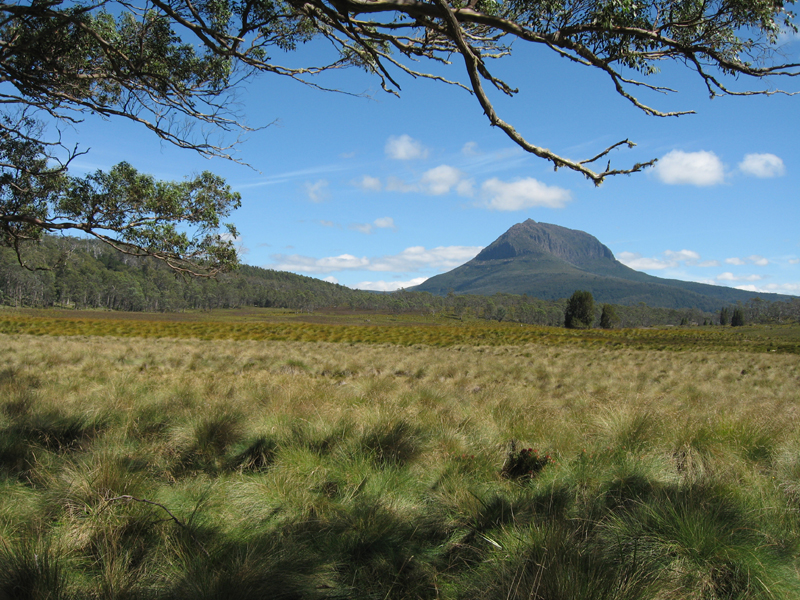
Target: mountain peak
x,y
550,262
530,237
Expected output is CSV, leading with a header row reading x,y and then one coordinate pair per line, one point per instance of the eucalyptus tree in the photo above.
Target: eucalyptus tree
x,y
174,66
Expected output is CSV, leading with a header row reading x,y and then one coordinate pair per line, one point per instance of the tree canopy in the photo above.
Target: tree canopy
x,y
173,66
579,312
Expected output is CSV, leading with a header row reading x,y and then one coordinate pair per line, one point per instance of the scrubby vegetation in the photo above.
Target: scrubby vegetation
x,y
90,275
135,467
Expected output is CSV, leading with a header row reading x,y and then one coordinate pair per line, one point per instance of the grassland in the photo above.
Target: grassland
x,y
255,458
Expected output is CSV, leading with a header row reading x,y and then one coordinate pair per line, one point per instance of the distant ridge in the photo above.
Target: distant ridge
x,y
550,262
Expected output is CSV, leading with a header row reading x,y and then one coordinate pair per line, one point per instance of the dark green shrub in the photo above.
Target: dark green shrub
x,y
579,313
524,464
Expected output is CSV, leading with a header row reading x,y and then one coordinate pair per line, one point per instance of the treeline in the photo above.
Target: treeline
x,y
88,274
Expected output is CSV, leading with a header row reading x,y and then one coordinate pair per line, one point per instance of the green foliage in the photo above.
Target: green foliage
x,y
176,65
737,319
178,223
608,317
724,315
31,569
220,472
579,313
97,276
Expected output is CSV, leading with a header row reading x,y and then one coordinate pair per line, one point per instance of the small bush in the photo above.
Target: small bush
x,y
526,463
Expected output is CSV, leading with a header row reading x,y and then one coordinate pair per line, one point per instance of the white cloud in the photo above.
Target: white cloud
x,y
307,264
794,261
415,258
753,259
241,249
384,223
787,35
671,260
690,168
728,276
688,256
470,149
395,184
404,147
762,165
361,227
522,194
773,288
388,286
418,257
368,183
634,260
317,191
331,279
325,223
442,179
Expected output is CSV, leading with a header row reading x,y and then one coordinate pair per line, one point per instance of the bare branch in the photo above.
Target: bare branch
x,y
181,524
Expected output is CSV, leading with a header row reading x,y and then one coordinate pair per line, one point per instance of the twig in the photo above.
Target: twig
x,y
129,498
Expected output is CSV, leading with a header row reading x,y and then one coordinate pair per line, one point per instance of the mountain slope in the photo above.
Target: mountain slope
x,y
550,262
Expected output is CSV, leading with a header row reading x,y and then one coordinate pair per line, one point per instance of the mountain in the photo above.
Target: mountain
x,y
550,262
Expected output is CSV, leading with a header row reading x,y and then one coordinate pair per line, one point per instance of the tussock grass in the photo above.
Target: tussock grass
x,y
183,468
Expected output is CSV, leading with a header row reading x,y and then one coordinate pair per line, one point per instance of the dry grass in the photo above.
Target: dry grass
x,y
375,469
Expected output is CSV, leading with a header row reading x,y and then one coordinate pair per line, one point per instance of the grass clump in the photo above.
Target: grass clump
x,y
316,470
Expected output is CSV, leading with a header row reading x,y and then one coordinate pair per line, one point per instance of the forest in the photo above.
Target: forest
x,y
92,275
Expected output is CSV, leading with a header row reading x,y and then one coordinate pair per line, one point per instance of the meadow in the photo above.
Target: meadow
x,y
388,457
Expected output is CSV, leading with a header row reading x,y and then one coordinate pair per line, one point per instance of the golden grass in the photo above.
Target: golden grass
x,y
356,444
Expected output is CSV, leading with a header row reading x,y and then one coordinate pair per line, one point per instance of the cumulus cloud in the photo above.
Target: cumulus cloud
x,y
636,261
331,279
414,258
762,165
773,288
522,194
671,259
307,264
753,259
688,256
442,179
368,183
317,191
728,276
388,286
418,257
690,168
382,223
405,147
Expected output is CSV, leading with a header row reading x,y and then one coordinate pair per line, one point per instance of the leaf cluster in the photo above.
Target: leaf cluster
x,y
579,312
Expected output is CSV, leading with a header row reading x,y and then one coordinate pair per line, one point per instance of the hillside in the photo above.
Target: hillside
x,y
550,262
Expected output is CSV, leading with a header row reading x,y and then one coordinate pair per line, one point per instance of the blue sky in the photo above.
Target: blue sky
x,y
378,192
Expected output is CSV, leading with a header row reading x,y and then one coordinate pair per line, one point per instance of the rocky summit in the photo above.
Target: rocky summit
x,y
550,262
